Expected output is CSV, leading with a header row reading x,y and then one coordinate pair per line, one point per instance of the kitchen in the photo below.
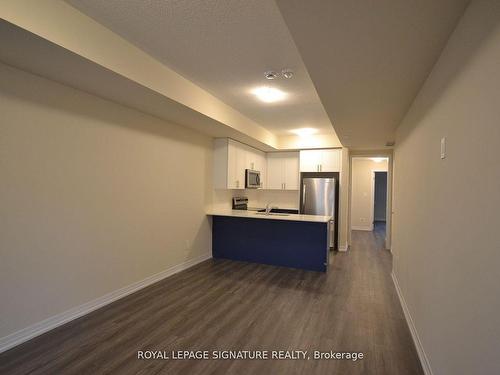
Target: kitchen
x,y
259,195
200,178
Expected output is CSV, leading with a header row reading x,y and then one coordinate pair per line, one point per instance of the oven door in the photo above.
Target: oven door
x,y
252,179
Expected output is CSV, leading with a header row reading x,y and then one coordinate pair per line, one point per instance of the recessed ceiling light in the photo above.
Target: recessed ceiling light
x,y
287,73
304,132
269,94
271,75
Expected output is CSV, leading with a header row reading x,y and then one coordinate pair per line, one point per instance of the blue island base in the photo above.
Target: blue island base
x,y
296,244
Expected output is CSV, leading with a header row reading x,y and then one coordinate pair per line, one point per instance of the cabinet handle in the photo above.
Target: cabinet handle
x,y
321,168
284,185
303,198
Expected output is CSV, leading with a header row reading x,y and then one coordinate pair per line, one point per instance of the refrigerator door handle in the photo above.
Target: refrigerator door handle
x,y
303,197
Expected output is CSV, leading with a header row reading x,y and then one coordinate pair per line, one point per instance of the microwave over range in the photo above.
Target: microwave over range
x,y
252,179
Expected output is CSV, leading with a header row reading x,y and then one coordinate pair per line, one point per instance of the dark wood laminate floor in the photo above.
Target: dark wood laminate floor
x,y
220,305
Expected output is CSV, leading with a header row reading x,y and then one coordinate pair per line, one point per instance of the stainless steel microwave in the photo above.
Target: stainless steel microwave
x,y
252,179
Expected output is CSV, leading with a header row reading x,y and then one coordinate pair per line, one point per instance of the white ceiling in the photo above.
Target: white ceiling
x,y
368,59
224,46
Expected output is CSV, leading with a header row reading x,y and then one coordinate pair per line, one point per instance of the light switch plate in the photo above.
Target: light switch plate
x,y
443,147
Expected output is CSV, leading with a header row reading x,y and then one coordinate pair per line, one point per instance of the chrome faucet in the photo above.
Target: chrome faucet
x,y
269,208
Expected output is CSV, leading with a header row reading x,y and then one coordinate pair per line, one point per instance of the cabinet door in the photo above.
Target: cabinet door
x,y
253,159
250,158
241,165
274,171
291,170
261,166
330,161
236,162
232,156
310,160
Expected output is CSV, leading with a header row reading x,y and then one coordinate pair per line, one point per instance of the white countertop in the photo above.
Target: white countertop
x,y
271,216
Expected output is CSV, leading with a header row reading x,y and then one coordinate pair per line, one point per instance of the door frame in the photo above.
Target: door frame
x,y
389,212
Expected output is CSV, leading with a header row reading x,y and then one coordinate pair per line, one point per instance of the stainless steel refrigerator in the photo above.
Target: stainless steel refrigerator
x,y
318,198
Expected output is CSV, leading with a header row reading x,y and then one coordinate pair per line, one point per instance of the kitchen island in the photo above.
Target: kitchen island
x,y
289,240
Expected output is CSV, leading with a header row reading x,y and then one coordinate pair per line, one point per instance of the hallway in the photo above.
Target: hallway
x,y
225,305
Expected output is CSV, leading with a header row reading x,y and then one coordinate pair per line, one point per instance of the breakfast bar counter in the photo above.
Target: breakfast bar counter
x,y
288,240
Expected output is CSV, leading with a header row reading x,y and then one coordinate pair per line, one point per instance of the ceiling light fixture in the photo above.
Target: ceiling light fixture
x,y
287,73
269,94
378,160
304,132
271,75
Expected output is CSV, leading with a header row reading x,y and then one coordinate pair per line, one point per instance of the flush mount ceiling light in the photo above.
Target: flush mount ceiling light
x,y
270,75
378,160
269,94
287,73
304,132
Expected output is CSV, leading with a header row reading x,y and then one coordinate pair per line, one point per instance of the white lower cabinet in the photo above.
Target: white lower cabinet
x,y
283,171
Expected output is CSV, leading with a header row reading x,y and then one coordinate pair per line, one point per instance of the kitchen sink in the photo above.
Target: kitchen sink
x,y
281,211
272,214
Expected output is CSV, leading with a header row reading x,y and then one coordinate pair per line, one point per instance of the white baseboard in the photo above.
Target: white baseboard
x,y
344,247
362,227
37,329
413,330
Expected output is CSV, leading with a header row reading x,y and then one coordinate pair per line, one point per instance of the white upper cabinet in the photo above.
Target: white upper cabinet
x,y
274,171
310,160
292,171
236,165
231,158
283,171
320,160
255,160
330,160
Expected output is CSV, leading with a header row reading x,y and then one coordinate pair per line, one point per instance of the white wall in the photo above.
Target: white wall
x,y
445,240
93,197
361,193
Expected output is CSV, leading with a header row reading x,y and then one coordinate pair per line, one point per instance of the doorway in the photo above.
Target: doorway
x,y
369,199
379,201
